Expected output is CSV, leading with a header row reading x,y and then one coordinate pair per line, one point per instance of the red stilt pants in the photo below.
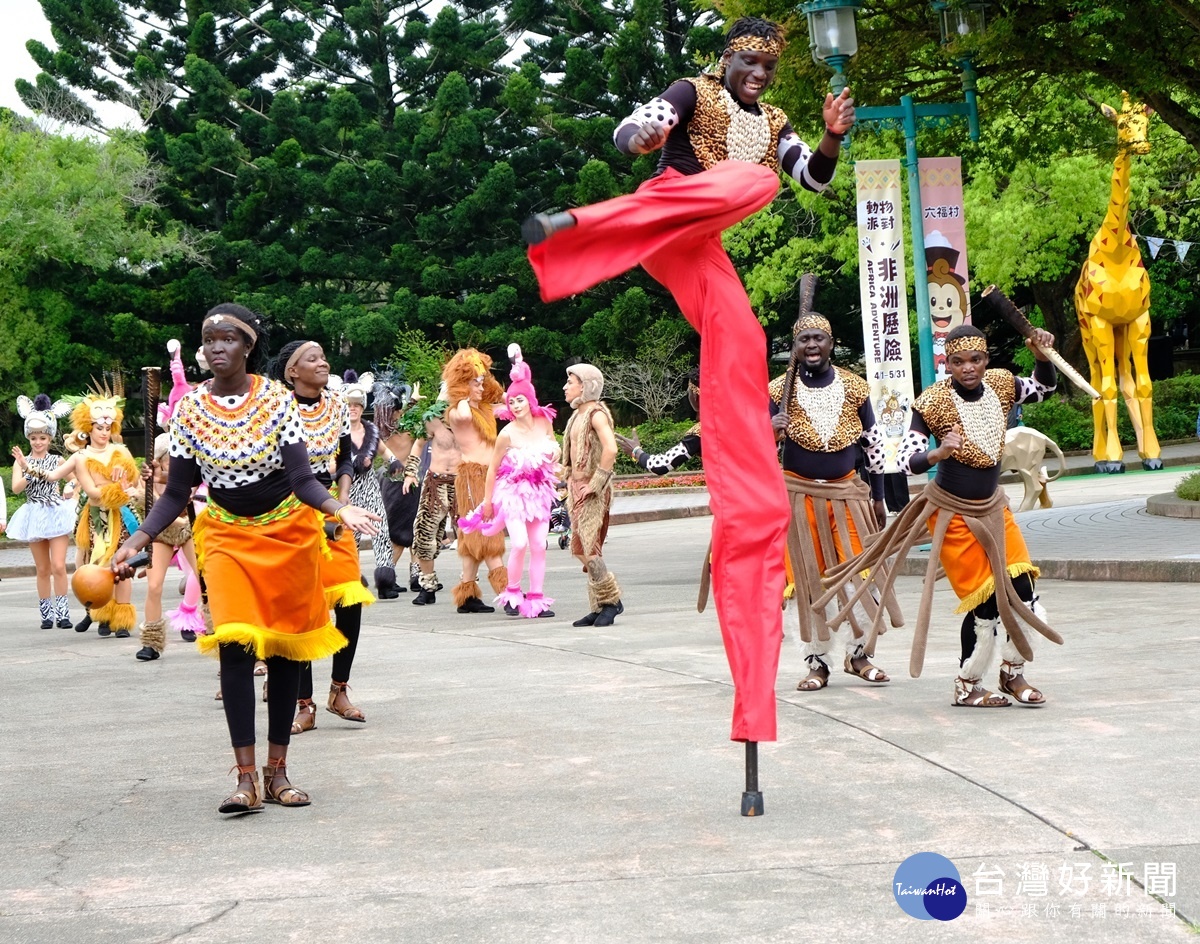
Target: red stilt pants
x,y
672,227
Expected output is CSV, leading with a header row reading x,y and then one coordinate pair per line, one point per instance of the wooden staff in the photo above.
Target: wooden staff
x,y
1003,306
151,388
808,291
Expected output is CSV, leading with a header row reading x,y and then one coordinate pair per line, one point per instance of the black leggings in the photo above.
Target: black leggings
x,y
238,695
989,609
348,620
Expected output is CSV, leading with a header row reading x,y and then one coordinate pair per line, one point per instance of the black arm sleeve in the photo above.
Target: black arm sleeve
x,y
1045,373
344,461
304,484
682,97
183,475
370,449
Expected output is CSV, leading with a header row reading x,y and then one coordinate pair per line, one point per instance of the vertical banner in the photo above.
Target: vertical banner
x,y
884,294
945,250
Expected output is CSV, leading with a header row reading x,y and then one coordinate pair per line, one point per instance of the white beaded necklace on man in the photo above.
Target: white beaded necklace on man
x,y
748,134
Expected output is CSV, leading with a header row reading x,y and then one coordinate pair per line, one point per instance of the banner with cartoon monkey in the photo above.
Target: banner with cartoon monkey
x,y
945,250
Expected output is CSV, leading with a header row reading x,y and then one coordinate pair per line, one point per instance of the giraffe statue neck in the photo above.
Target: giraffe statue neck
x,y
1116,220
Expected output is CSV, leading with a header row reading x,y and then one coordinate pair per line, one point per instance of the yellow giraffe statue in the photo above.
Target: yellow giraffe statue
x,y
1112,300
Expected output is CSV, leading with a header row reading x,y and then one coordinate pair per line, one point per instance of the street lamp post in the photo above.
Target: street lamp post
x,y
831,33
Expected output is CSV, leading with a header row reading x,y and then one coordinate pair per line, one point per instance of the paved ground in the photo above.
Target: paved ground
x,y
527,781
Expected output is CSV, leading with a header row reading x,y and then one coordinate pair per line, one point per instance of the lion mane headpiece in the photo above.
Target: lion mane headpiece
x,y
458,373
100,402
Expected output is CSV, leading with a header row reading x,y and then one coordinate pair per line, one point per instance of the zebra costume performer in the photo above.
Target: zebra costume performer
x,y
364,486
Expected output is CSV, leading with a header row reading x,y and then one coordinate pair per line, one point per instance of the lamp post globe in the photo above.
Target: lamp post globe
x,y
957,20
832,37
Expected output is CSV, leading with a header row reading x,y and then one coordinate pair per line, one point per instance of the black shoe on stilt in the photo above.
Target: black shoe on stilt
x,y
425,598
84,624
104,630
588,620
146,654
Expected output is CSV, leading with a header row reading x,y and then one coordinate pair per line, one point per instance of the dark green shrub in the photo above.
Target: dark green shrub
x,y
1189,487
1069,421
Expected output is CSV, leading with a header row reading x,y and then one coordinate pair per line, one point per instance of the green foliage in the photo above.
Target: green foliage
x,y
421,361
1188,487
656,436
71,212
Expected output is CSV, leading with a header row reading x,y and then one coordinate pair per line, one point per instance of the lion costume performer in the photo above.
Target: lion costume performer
x,y
473,394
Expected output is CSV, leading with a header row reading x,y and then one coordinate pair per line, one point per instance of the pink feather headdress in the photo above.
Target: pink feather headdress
x,y
521,385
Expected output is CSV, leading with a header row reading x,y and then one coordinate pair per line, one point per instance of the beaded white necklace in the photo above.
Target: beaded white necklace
x,y
823,406
982,421
748,134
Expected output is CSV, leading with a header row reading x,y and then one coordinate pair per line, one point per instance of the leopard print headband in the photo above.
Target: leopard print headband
x,y
813,320
969,342
773,45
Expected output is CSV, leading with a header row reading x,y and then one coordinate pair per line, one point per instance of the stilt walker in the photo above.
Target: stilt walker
x,y
722,152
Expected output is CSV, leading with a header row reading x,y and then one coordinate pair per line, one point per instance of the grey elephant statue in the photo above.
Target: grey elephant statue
x,y
1024,454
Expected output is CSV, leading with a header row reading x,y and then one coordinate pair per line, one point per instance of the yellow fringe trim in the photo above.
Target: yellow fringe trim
x,y
348,594
974,599
123,616
322,540
198,527
264,643
103,614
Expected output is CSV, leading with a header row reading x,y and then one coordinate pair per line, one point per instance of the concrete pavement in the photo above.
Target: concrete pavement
x,y
528,781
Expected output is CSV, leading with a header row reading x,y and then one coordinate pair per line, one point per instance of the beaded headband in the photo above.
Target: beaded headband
x,y
969,342
772,45
291,361
223,320
813,320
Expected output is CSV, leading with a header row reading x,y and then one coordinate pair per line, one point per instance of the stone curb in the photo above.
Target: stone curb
x,y
1168,505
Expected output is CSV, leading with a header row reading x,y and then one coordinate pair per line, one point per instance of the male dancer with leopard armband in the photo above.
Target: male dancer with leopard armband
x,y
822,414
974,535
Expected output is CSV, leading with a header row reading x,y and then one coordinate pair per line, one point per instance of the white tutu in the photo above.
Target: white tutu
x,y
35,521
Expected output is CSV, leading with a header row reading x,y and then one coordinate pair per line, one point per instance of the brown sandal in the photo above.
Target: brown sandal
x,y
816,679
1012,682
306,716
870,673
247,798
968,693
349,713
286,795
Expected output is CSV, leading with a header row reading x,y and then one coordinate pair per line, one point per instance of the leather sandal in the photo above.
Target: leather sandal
x,y
260,667
246,798
284,796
871,673
306,716
1012,682
968,693
817,678
349,713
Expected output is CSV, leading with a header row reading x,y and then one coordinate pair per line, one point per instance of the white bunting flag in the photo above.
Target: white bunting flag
x,y
1182,248
1155,244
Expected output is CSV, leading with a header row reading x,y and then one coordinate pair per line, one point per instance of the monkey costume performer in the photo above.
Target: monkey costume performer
x,y
473,394
721,155
827,419
974,535
589,452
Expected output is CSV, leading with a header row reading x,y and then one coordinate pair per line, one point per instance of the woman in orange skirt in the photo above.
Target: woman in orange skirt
x,y
326,419
258,542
